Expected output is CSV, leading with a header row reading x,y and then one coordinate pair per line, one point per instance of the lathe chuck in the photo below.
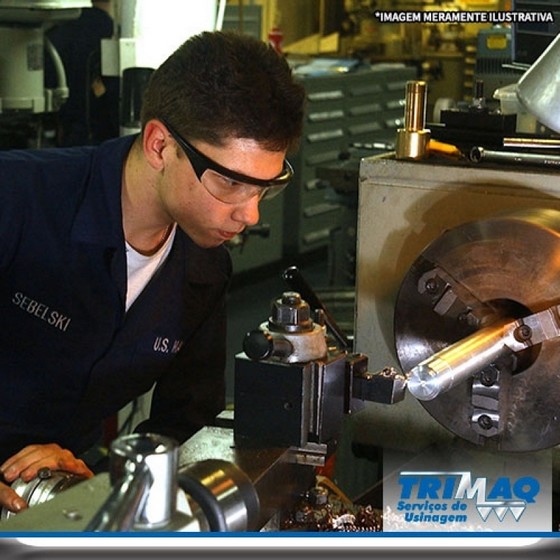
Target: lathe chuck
x,y
473,276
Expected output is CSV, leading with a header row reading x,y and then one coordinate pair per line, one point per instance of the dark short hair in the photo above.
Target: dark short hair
x,y
227,84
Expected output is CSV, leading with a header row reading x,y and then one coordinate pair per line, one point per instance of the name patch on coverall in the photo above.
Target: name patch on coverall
x,y
166,345
42,311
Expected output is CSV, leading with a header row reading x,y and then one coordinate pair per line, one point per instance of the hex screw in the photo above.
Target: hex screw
x,y
484,421
431,285
291,298
43,473
489,375
522,333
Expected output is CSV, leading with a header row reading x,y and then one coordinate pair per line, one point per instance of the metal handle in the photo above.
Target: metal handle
x,y
143,473
297,282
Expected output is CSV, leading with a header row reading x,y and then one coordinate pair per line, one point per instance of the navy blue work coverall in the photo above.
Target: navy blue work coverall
x,y
69,354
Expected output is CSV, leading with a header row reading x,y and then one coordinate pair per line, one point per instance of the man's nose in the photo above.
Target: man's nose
x,y
248,212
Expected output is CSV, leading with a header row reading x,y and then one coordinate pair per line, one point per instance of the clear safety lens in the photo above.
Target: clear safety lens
x,y
234,192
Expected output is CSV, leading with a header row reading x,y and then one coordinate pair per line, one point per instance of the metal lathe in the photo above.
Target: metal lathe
x,y
457,337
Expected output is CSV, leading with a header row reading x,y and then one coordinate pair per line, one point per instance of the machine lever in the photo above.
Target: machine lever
x,y
297,282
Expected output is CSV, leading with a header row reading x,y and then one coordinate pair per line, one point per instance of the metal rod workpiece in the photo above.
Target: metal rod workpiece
x,y
415,106
478,154
528,142
412,140
454,364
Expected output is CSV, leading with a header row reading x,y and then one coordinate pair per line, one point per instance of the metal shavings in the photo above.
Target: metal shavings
x,y
334,515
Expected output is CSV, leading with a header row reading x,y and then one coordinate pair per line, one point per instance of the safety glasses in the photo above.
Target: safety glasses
x,y
230,187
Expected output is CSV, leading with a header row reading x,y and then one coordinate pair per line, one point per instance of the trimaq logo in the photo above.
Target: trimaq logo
x,y
443,496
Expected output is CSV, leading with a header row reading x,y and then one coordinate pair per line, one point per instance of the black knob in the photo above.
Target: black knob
x,y
258,345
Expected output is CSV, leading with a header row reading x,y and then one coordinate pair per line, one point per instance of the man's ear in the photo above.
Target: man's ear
x,y
154,139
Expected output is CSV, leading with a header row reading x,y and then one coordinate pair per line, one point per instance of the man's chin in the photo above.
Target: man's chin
x,y
209,243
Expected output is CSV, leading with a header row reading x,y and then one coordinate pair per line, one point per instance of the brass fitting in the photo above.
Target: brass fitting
x,y
413,140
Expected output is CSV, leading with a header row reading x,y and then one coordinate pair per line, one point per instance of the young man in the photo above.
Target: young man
x,y
113,274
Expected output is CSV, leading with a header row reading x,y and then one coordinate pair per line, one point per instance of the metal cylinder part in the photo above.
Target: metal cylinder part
x,y
530,142
452,365
142,471
412,140
415,105
224,496
45,486
158,456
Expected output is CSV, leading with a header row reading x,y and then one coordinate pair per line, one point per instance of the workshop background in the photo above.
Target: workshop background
x,y
355,70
